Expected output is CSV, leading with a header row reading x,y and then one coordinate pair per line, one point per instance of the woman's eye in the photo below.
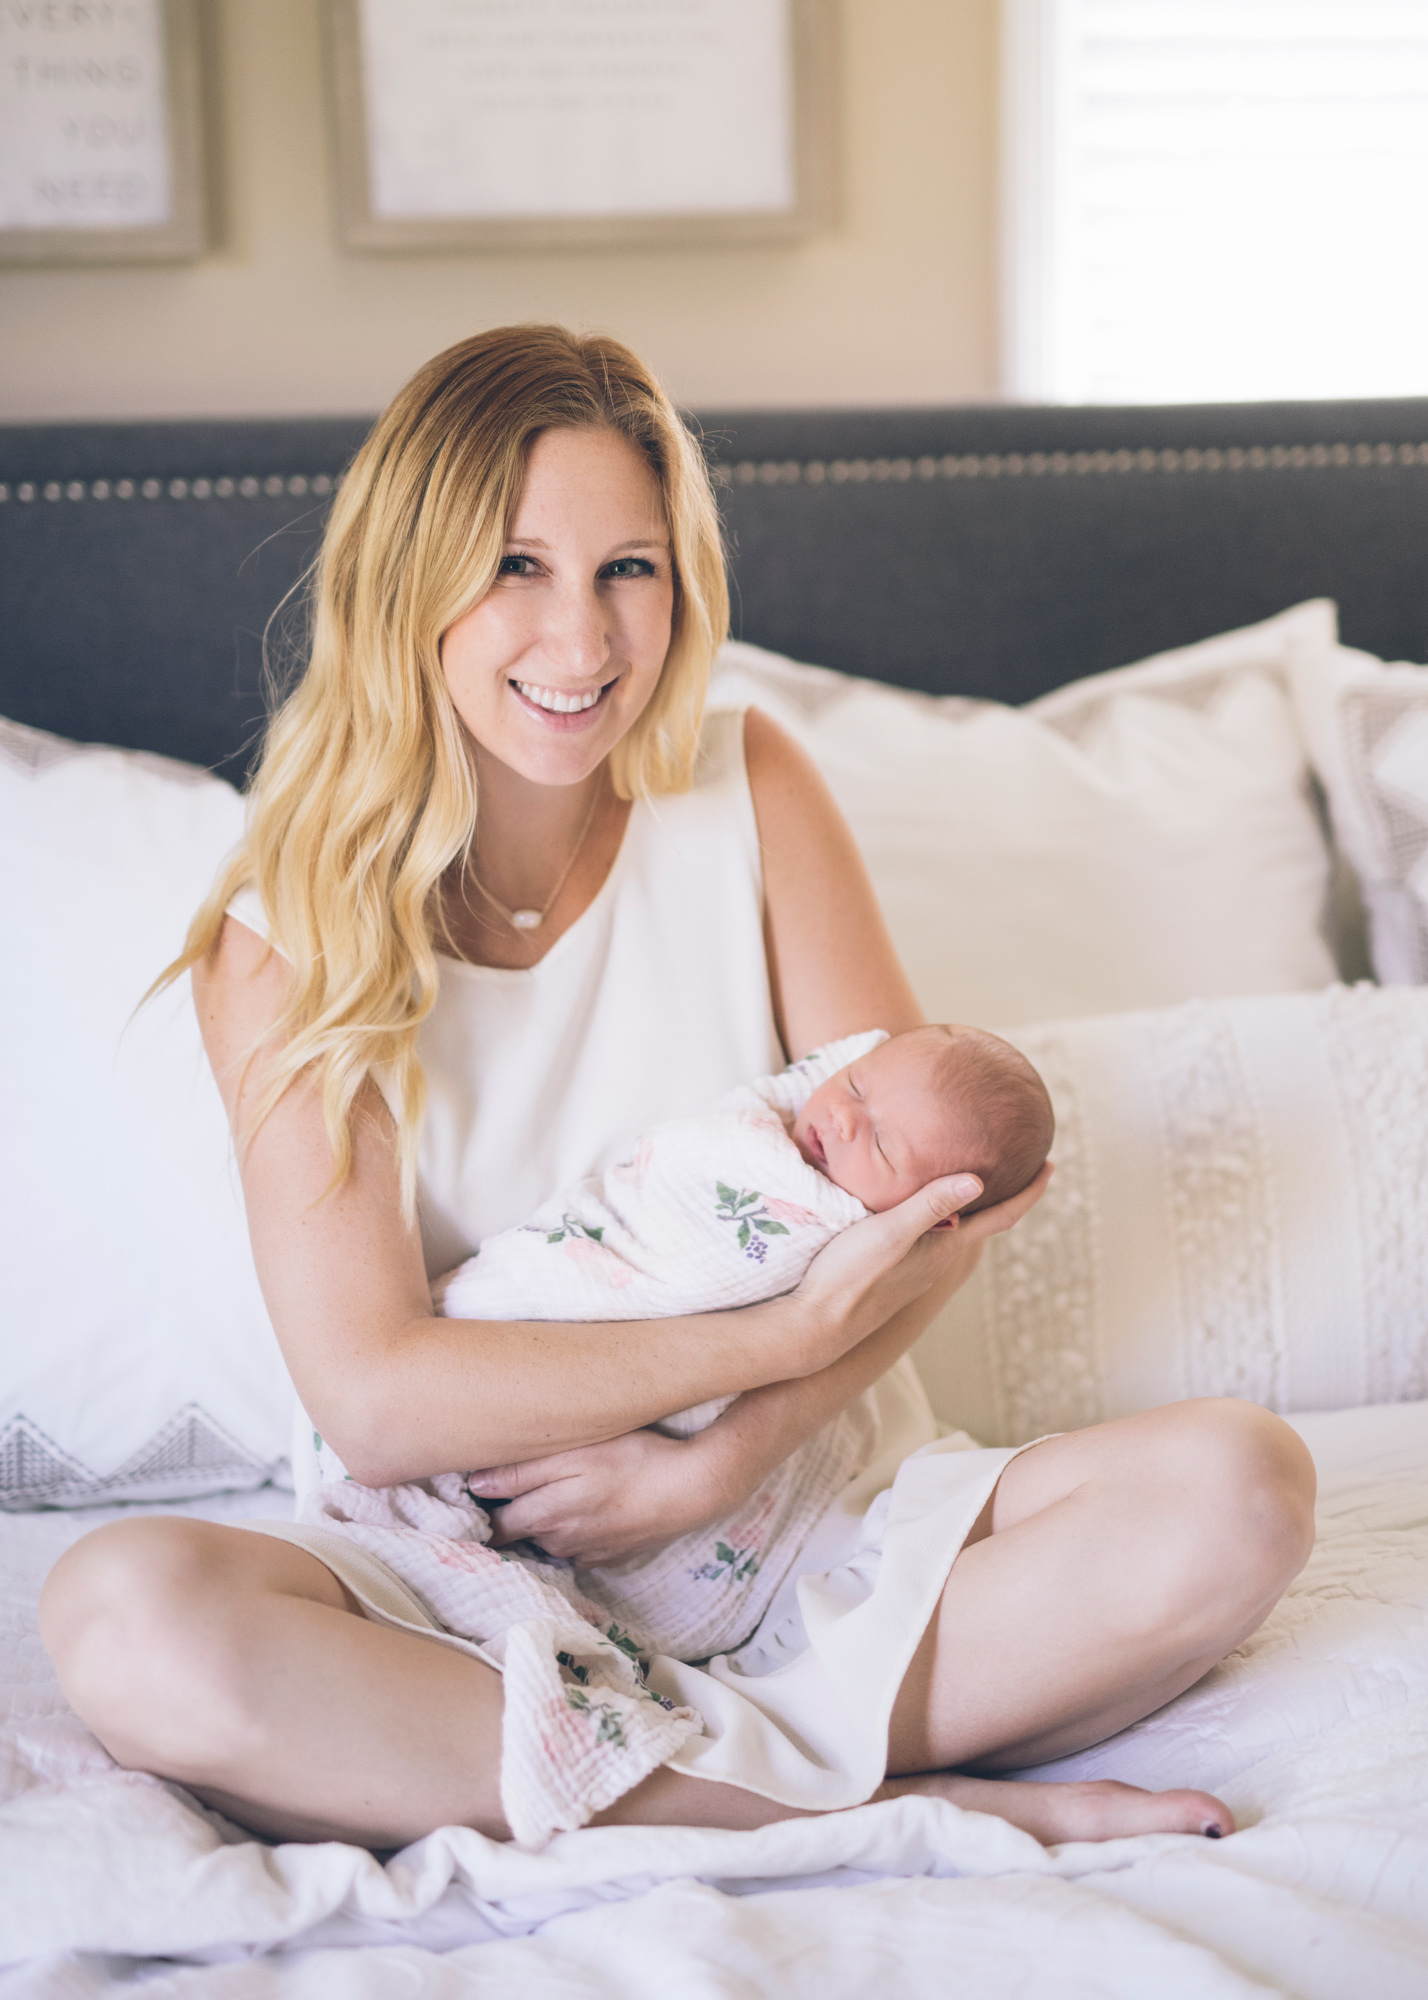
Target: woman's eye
x,y
624,566
516,566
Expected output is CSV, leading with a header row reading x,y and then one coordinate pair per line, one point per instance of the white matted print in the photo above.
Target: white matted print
x,y
471,123
98,131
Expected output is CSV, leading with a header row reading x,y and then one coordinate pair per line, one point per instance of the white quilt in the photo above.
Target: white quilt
x,y
1316,1732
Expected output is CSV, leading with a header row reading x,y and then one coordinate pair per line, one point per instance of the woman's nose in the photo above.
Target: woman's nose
x,y
576,638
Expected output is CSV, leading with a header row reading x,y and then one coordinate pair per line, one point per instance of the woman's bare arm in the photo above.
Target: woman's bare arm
x,y
401,1393
831,961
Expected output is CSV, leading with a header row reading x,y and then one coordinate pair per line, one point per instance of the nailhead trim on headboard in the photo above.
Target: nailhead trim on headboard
x,y
1057,464
809,472
248,488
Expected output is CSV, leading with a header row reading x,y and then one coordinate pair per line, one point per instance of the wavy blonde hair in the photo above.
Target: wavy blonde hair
x,y
366,793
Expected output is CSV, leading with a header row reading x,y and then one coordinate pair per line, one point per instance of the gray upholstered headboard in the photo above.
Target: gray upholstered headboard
x,y
991,551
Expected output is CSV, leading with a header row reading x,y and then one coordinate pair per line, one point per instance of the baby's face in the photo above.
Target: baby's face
x,y
879,1129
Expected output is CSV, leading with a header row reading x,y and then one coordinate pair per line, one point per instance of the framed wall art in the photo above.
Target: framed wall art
x,y
100,145
503,124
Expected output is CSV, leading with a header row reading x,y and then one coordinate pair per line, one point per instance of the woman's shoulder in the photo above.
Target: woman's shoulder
x,y
721,748
788,790
745,747
247,908
751,775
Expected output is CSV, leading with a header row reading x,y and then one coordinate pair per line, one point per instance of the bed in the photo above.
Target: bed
x,y
970,585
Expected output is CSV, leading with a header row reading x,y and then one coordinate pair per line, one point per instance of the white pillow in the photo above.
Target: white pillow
x,y
1138,838
136,1358
1237,1210
1366,725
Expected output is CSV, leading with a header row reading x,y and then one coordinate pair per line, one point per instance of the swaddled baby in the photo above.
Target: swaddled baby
x,y
717,1210
730,1206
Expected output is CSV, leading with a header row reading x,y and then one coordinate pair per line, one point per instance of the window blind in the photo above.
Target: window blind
x,y
1215,199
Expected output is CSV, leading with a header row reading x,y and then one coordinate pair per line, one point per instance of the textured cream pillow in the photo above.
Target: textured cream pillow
x,y
136,1358
1138,838
1366,725
1237,1210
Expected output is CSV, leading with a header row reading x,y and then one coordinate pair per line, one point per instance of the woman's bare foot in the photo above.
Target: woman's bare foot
x,y
1099,1810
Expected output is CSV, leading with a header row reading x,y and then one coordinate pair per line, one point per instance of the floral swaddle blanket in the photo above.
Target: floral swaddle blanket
x,y
704,1213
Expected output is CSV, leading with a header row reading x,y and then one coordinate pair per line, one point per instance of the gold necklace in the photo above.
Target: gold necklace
x,y
531,920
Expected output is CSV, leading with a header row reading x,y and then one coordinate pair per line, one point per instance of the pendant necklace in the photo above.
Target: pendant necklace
x,y
531,920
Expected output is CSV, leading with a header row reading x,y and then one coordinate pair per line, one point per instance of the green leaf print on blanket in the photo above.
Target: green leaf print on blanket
x,y
621,1638
585,1244
747,1208
737,1565
609,1728
569,1227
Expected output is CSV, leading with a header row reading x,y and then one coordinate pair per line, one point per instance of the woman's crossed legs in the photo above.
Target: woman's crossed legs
x,y
1112,1568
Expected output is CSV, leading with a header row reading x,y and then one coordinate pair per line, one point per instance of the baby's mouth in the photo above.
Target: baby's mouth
x,y
815,1146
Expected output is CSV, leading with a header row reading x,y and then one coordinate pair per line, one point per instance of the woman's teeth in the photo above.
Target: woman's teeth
x,y
561,704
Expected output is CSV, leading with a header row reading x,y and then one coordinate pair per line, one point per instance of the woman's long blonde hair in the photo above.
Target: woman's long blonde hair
x,y
365,794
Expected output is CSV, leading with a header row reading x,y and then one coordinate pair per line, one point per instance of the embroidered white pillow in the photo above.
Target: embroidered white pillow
x,y
1366,725
1237,1210
136,1358
1138,838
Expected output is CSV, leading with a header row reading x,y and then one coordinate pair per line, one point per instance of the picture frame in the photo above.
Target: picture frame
x,y
367,95
104,116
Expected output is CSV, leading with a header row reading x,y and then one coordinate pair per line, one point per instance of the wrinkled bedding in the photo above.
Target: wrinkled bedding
x,y
1316,1732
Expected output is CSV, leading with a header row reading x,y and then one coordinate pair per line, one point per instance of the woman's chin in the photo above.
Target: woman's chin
x,y
546,756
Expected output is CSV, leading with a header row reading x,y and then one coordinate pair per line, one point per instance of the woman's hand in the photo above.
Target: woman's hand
x,y
596,1504
869,1273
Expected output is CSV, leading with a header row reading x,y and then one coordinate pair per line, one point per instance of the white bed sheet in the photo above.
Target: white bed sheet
x,y
1316,1732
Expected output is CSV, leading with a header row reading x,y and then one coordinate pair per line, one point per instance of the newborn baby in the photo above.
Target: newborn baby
x,y
721,1209
933,1101
729,1207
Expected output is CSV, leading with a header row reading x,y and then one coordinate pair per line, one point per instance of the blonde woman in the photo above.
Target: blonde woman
x,y
506,897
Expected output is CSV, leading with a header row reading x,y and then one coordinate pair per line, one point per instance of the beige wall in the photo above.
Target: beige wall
x,y
897,303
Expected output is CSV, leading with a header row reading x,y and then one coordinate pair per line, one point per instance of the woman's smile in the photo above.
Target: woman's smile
x,y
564,709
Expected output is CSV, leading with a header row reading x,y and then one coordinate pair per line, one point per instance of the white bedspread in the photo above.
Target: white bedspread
x,y
1316,1732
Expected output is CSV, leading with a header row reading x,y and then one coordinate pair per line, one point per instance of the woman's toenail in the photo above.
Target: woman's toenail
x,y
1213,1833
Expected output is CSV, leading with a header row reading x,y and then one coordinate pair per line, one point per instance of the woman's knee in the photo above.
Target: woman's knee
x,y
135,1619
1251,1524
1261,1476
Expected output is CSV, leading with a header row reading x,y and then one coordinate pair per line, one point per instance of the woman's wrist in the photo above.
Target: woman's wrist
x,y
758,1431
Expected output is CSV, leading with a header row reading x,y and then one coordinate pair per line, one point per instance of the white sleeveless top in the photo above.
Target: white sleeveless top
x,y
653,1004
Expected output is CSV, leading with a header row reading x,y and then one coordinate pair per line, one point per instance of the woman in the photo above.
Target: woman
x,y
524,902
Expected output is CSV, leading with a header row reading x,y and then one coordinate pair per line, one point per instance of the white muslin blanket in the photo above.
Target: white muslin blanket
x,y
701,1214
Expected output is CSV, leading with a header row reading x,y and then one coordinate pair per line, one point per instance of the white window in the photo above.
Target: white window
x,y
1213,199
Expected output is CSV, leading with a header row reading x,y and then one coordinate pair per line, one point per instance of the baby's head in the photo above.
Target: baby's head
x,y
938,1100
